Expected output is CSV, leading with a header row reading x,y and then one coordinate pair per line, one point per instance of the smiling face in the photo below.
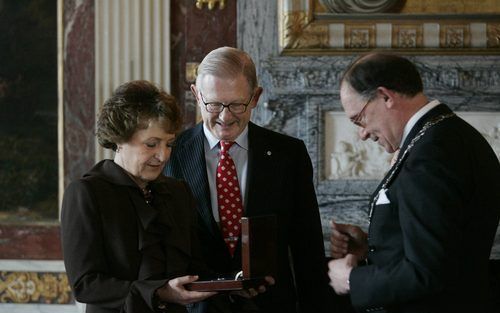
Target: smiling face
x,y
372,117
145,154
225,125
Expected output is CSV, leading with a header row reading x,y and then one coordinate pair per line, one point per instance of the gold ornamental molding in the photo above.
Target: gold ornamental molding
x,y
35,287
191,71
407,36
210,4
300,34
306,27
494,35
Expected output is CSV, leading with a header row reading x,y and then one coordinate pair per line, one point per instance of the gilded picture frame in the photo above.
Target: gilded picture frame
x,y
306,28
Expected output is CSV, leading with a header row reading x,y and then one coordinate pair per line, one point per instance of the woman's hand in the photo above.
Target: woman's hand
x,y
174,291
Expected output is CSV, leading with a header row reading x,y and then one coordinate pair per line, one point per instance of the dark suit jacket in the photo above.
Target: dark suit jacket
x,y
429,247
279,182
117,249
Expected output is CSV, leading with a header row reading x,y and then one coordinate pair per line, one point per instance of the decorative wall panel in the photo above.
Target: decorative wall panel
x,y
323,27
35,286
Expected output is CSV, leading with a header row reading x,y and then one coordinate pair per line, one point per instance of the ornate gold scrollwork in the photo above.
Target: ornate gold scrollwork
x,y
300,34
210,4
493,35
454,36
32,287
407,36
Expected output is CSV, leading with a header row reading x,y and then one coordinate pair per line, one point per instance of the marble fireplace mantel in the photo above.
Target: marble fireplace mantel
x,y
303,98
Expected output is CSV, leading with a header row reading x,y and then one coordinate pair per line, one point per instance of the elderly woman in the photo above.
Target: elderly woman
x,y
128,232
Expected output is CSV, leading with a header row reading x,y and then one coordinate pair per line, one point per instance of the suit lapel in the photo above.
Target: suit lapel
x,y
438,110
192,154
260,169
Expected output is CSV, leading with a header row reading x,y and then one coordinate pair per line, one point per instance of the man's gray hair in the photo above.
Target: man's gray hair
x,y
228,62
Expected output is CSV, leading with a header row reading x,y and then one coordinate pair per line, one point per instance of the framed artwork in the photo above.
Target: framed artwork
x,y
308,27
28,112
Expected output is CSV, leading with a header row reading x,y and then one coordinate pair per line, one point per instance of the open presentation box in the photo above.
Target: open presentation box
x,y
258,257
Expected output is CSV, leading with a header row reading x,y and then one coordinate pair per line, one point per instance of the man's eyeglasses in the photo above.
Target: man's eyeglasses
x,y
233,107
356,119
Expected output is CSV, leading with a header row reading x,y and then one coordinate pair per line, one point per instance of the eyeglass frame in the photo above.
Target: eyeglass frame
x,y
228,106
356,119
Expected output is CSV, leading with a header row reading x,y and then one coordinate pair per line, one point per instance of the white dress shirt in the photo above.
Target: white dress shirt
x,y
418,115
239,153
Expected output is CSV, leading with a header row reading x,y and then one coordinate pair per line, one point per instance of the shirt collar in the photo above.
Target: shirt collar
x,y
414,119
241,140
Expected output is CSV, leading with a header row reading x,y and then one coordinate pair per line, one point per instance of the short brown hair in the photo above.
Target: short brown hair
x,y
131,107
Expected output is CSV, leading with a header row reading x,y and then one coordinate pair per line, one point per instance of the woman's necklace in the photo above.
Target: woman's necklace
x,y
148,195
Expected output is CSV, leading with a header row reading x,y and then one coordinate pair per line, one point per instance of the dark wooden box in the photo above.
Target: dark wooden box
x,y
258,257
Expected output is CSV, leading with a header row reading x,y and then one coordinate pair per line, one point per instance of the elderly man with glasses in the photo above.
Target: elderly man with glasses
x,y
236,168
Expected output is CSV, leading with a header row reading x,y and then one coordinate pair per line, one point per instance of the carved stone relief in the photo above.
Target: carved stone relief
x,y
348,157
